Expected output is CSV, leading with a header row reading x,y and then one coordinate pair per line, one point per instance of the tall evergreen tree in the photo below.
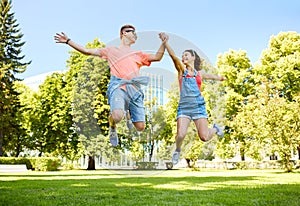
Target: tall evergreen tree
x,y
10,64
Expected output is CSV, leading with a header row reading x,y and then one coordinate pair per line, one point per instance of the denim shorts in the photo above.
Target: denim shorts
x,y
192,109
120,100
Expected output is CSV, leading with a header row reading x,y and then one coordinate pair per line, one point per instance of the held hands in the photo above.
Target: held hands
x,y
61,38
164,37
222,78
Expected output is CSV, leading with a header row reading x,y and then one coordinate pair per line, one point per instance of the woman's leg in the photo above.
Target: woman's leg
x,y
204,133
182,127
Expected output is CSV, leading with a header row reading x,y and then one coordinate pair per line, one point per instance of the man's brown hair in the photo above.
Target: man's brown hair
x,y
126,26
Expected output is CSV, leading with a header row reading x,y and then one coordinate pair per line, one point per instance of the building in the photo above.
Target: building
x,y
34,82
160,83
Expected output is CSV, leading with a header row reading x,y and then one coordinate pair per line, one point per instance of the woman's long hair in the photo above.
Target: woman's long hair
x,y
197,62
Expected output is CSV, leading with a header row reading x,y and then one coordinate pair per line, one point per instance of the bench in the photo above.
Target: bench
x,y
146,165
13,168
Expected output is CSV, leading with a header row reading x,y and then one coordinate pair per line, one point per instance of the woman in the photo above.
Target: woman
x,y
191,104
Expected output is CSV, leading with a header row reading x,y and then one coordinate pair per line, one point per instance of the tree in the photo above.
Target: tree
x,y
275,125
263,108
89,103
59,135
24,142
280,64
10,64
236,67
278,72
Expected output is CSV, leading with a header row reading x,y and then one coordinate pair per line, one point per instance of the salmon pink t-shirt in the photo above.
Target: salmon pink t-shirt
x,y
124,62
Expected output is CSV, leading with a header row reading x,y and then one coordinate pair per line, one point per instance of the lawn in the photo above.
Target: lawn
x,y
156,187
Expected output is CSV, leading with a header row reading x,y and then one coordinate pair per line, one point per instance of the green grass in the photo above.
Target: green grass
x,y
159,187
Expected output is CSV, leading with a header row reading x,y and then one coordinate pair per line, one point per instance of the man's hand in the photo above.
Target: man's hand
x,y
164,37
61,38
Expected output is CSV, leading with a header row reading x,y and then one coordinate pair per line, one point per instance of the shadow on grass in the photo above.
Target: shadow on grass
x,y
153,190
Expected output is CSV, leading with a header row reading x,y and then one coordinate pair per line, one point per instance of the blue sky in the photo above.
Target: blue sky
x,y
214,26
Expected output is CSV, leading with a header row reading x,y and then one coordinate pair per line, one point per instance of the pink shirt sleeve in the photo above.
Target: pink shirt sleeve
x,y
145,59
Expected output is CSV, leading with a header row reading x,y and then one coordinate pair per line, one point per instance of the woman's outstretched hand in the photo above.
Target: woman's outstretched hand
x,y
164,37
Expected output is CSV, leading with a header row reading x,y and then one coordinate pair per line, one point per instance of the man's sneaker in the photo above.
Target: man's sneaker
x,y
220,132
113,137
128,121
175,157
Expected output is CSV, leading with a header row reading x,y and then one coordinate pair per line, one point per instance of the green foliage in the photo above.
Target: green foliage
x,y
10,64
236,67
34,163
280,122
56,115
263,101
213,93
170,109
88,78
46,164
280,64
165,150
137,151
47,118
16,160
10,47
84,103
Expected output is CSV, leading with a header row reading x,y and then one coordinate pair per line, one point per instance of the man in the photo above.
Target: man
x,y
124,92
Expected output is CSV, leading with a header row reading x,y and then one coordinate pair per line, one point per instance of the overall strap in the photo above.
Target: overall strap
x,y
185,73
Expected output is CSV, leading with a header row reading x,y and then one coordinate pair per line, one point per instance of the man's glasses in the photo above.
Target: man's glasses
x,y
130,30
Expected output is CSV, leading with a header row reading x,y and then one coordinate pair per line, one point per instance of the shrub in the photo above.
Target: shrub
x,y
16,160
34,163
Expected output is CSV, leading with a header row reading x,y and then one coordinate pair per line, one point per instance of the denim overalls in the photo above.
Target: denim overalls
x,y
191,104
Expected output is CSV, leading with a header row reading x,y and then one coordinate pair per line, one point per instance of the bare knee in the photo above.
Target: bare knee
x,y
117,115
203,136
180,135
140,126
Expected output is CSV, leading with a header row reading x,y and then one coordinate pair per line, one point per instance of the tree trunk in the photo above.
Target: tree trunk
x,y
298,148
188,161
1,143
91,164
151,151
242,154
18,147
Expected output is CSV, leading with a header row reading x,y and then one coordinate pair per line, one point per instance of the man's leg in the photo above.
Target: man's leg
x,y
115,117
137,111
117,104
128,120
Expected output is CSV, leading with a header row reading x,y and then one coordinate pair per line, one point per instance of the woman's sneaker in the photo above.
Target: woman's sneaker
x,y
175,157
220,132
113,137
